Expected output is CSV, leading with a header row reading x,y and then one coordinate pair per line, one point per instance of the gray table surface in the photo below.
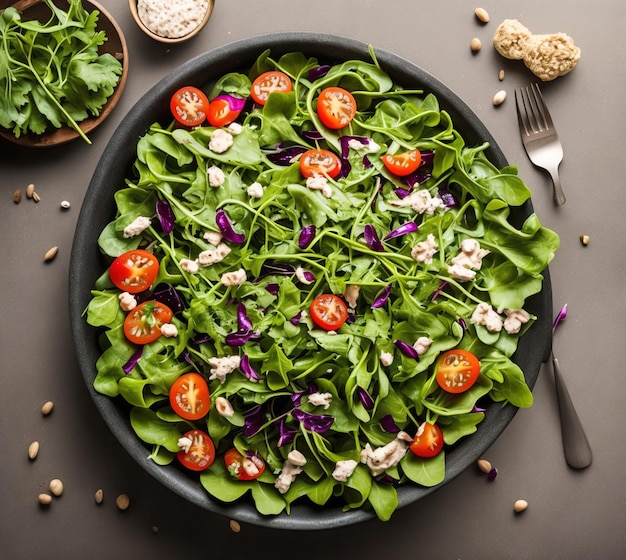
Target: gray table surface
x,y
572,514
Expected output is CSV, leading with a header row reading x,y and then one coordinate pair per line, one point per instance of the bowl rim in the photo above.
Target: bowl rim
x,y
65,134
132,4
97,209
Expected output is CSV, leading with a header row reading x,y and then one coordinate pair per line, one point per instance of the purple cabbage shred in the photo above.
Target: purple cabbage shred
x,y
306,236
382,297
406,349
318,423
236,104
248,370
408,227
372,240
243,321
273,289
388,424
241,338
560,317
295,320
448,198
253,421
439,290
365,398
286,156
286,433
166,294
318,72
132,361
402,193
226,228
166,216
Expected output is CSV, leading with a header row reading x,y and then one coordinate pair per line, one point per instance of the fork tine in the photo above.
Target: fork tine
x,y
543,108
522,116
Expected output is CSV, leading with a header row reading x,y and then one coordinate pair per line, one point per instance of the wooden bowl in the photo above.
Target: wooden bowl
x,y
172,40
115,45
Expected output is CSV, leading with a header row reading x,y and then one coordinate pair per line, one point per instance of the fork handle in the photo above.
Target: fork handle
x,y
559,195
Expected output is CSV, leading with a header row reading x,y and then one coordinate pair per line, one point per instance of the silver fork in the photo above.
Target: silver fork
x,y
539,136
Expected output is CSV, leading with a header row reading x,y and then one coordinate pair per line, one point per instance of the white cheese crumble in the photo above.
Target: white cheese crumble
x,y
319,183
351,295
382,458
422,344
234,128
223,407
128,302
485,315
469,259
137,226
172,18
321,399
168,330
386,358
189,266
344,469
216,176
425,250
359,146
221,140
235,278
210,256
185,443
291,469
419,201
221,367
515,318
255,190
213,237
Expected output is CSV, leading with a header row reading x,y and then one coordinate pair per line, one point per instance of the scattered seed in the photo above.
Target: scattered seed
x,y
99,496
484,465
45,499
65,204
30,190
501,75
481,15
475,44
36,197
33,450
234,526
520,505
50,254
584,239
499,97
122,501
56,487
47,408
491,475
17,196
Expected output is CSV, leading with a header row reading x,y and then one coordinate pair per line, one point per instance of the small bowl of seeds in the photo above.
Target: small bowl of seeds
x,y
171,21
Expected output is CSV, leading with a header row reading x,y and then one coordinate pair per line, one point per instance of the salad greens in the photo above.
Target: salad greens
x,y
51,73
290,228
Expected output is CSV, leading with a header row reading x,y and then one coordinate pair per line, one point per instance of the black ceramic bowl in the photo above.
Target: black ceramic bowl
x,y
99,208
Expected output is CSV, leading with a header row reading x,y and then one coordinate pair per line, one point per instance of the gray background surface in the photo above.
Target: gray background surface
x,y
572,514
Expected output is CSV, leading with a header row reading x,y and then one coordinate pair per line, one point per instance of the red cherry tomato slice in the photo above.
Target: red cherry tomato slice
x,y
457,370
189,396
243,467
403,164
328,312
221,113
428,441
189,105
143,324
134,271
319,162
269,82
336,107
201,452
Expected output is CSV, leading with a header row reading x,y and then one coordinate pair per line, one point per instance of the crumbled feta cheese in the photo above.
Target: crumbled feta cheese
x,y
351,295
220,141
168,330
221,367
386,358
420,201
319,183
172,18
234,128
422,344
471,255
425,250
485,315
382,458
209,257
216,176
185,443
304,276
515,318
137,226
213,237
255,190
223,407
461,273
357,145
321,399
344,469
189,266
235,278
128,302
291,469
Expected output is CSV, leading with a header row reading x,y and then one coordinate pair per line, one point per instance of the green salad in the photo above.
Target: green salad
x,y
318,308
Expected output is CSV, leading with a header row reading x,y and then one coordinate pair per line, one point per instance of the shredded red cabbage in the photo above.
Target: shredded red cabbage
x,y
318,423
366,398
272,289
448,198
247,369
389,424
226,228
408,227
243,321
286,433
132,361
236,104
165,294
439,290
166,216
286,156
402,193
372,240
253,421
560,317
306,236
382,297
406,349
318,72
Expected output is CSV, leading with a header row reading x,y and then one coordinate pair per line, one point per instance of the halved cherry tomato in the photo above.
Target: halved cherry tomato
x,y
134,271
328,312
221,113
428,440
457,370
189,396
336,107
243,467
269,82
319,162
189,105
201,452
403,164
143,324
